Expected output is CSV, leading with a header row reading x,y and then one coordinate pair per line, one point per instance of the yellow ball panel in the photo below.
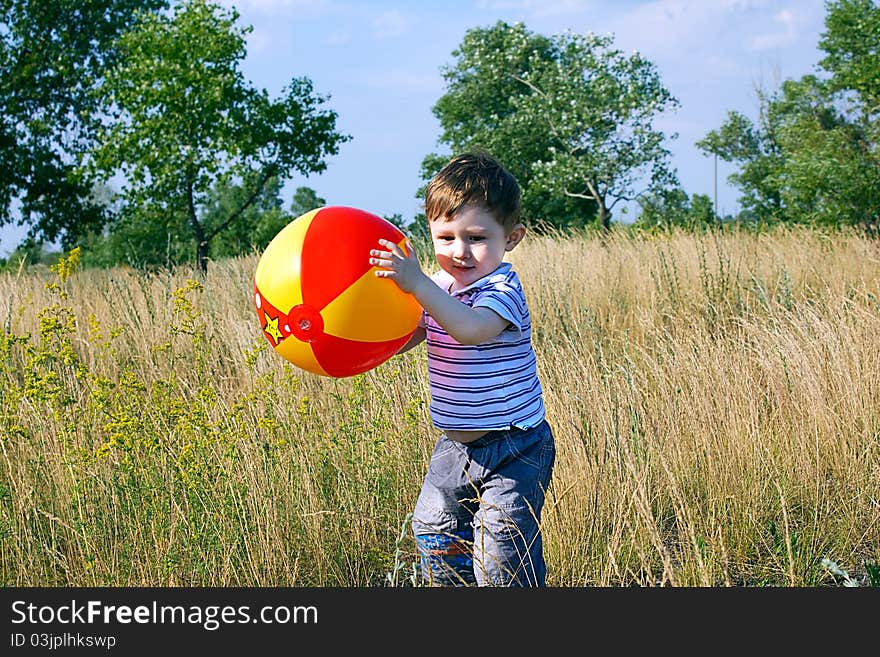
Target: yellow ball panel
x,y
372,309
278,271
300,354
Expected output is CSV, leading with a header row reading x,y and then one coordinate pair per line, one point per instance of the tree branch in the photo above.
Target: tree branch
x,y
588,197
258,189
543,95
620,198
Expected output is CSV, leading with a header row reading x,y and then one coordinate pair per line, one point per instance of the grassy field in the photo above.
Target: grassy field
x,y
715,400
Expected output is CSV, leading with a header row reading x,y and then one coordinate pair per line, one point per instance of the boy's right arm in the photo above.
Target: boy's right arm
x,y
464,324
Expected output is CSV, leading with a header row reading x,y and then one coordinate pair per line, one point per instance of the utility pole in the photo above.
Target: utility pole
x,y
715,202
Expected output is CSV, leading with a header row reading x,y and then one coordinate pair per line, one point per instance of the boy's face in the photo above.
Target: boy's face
x,y
472,244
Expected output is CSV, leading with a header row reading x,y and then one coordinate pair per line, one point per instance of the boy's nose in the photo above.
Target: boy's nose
x,y
461,250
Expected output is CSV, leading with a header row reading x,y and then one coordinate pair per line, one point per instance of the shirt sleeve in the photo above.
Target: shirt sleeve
x,y
508,301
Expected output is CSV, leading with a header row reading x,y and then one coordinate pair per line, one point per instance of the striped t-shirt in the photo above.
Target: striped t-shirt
x,y
493,385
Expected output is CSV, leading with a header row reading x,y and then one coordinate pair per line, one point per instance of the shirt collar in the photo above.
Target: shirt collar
x,y
445,280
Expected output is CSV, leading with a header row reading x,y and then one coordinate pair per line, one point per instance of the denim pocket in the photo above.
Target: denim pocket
x,y
447,468
533,447
524,453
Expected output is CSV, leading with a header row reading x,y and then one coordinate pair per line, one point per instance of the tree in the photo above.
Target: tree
x,y
813,155
270,222
51,55
182,121
673,207
253,228
851,42
146,238
757,150
305,199
568,115
477,112
831,170
143,237
600,106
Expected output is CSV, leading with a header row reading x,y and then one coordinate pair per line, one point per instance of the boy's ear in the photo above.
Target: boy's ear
x,y
515,236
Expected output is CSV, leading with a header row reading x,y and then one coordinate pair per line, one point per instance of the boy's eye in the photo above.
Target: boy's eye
x,y
471,238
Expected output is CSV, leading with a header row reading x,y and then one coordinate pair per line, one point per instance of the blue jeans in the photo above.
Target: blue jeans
x,y
477,519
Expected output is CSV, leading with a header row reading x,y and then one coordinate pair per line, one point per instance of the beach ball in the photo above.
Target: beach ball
x,y
318,299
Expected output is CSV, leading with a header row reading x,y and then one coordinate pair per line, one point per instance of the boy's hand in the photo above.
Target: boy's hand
x,y
403,268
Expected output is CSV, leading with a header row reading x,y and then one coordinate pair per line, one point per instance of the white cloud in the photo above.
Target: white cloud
x,y
785,35
701,35
338,38
259,40
390,24
744,5
276,7
537,8
667,29
723,65
403,81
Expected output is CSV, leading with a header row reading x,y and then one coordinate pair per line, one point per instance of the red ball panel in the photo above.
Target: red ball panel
x,y
340,357
336,251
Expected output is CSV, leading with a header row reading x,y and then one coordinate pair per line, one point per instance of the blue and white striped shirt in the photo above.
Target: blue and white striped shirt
x,y
493,385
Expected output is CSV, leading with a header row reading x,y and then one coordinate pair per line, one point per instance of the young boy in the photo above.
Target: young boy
x,y
477,518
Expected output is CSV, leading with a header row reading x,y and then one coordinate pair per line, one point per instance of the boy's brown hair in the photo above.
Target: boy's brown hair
x,y
474,178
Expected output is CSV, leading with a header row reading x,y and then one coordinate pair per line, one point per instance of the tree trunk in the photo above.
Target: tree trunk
x,y
604,215
201,238
202,256
604,212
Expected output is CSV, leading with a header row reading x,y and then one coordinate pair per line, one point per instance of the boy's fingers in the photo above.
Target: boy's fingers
x,y
395,250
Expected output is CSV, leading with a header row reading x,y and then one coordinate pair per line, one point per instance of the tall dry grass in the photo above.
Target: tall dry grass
x,y
714,400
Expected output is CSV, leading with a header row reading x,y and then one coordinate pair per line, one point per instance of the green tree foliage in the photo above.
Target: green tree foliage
x,y
51,56
600,106
673,207
813,155
143,238
27,254
831,172
851,42
305,199
758,152
569,115
253,228
183,122
478,109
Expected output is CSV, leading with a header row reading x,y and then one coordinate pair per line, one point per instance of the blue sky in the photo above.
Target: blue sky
x,y
380,62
